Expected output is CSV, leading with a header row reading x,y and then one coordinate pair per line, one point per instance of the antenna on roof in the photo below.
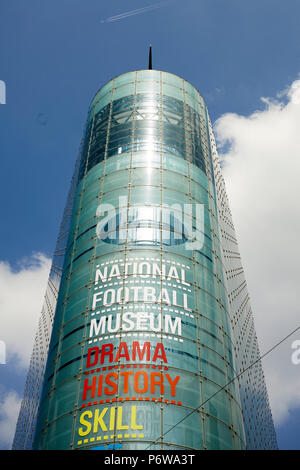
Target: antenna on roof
x,y
150,57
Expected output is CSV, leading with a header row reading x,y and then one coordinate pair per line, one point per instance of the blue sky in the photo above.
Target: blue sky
x,y
55,55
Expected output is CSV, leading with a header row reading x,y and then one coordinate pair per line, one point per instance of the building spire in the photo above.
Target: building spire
x,y
150,57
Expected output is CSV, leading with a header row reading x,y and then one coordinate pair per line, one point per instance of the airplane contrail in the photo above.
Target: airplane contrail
x,y
138,11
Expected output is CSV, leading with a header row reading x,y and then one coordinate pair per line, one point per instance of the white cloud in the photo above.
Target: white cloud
x,y
9,410
21,299
262,174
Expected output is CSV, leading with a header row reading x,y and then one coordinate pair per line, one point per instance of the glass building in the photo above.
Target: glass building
x,y
25,428
152,316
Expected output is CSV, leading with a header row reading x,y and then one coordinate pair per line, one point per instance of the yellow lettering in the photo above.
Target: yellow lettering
x,y
87,424
119,419
133,419
99,420
112,418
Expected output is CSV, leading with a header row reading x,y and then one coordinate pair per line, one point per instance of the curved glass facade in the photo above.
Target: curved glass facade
x,y
142,332
26,424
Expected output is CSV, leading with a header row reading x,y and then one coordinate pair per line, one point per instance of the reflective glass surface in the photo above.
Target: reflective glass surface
x,y
144,333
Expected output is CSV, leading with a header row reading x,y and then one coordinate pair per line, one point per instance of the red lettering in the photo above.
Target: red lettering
x,y
141,382
108,353
156,355
89,357
87,387
138,353
100,382
112,384
173,383
158,382
125,375
136,382
136,349
120,354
